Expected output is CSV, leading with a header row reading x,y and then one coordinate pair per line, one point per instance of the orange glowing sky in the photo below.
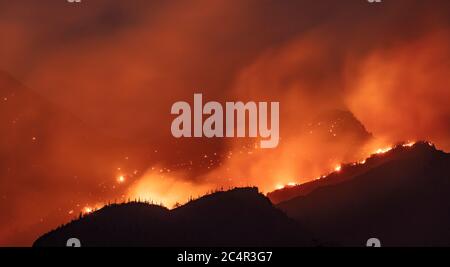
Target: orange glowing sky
x,y
86,91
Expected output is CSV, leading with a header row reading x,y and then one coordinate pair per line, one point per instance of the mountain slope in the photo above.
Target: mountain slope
x,y
348,172
239,217
401,197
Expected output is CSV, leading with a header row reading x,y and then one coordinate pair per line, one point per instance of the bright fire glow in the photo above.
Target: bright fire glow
x,y
87,210
279,186
409,144
121,179
338,168
167,189
383,150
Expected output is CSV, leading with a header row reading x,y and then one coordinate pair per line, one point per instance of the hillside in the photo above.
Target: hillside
x,y
401,197
239,217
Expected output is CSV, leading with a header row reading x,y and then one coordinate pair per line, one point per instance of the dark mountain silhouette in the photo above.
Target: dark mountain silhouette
x,y
401,197
239,217
349,171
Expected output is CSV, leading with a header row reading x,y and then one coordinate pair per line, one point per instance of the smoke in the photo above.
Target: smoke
x,y
166,188
410,83
116,67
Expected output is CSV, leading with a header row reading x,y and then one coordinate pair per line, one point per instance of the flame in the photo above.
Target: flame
x,y
121,179
383,150
168,189
91,208
87,210
410,144
338,168
279,186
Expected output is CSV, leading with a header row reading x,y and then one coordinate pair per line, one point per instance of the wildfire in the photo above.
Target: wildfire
x,y
279,186
91,208
387,149
383,150
338,168
87,210
121,179
409,144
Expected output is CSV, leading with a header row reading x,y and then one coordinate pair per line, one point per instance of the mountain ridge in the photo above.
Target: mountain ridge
x,y
404,201
347,171
238,217
401,196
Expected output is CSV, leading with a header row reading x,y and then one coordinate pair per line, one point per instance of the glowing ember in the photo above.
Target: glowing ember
x,y
121,179
409,144
320,177
338,168
279,186
87,210
383,150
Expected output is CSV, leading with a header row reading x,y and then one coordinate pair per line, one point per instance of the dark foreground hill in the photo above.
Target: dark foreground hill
x,y
239,217
401,197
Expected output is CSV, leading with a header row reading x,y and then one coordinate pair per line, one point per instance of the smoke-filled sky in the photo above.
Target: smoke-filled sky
x,y
86,90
